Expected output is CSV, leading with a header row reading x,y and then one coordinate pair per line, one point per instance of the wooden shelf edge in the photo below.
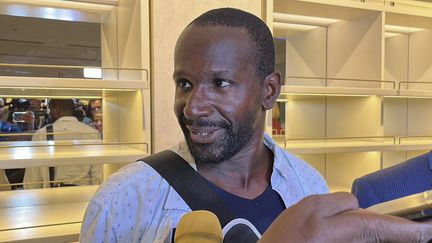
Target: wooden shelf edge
x,y
24,157
333,148
415,93
47,234
295,89
70,83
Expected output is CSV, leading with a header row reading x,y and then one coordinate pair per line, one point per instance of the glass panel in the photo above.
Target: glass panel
x,y
26,40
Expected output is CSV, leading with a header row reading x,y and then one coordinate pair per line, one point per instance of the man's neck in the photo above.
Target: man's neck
x,y
247,174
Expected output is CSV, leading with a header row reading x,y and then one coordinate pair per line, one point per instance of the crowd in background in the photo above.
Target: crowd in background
x,y
20,118
27,115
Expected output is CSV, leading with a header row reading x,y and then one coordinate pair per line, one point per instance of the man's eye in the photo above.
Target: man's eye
x,y
221,83
184,84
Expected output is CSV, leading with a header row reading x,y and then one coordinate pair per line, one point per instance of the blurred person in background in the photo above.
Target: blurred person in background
x,y
4,110
94,114
20,124
65,127
39,113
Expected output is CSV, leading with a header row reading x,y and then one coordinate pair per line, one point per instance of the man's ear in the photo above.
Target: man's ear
x,y
271,89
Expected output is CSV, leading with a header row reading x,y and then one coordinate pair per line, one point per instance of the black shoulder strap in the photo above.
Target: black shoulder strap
x,y
189,184
50,137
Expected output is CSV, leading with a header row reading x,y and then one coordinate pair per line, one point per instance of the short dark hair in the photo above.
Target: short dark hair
x,y
66,106
263,52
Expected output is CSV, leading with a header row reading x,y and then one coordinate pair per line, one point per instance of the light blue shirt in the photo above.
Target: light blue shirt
x,y
137,205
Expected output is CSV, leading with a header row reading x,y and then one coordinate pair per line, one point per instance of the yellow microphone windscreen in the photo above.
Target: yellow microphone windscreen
x,y
198,226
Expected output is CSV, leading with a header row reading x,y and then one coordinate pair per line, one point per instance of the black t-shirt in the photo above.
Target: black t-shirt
x,y
260,211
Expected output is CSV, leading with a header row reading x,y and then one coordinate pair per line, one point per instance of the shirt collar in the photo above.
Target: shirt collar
x,y
66,118
280,167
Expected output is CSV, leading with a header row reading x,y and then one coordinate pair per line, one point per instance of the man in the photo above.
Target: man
x,y
94,114
65,127
225,82
404,179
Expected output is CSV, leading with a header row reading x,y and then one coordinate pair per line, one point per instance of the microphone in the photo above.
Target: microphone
x,y
198,226
240,230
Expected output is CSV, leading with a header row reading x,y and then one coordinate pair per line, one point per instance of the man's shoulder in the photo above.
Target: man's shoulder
x,y
136,178
293,168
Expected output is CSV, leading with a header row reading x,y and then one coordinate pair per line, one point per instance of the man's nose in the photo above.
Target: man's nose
x,y
198,104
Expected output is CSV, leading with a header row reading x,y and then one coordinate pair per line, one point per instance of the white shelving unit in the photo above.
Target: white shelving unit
x,y
50,153
43,215
54,215
356,97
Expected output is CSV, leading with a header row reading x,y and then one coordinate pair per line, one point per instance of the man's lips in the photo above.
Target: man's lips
x,y
204,134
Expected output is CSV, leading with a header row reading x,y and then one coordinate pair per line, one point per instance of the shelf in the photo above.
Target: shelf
x,y
353,87
23,87
415,89
47,234
336,145
48,215
410,143
300,85
50,153
353,144
418,8
71,83
329,91
86,11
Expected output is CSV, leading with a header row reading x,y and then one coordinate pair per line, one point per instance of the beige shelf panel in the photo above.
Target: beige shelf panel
x,y
315,90
71,83
415,93
415,89
88,11
43,215
336,145
415,143
31,154
48,234
353,146
338,86
349,145
339,188
418,8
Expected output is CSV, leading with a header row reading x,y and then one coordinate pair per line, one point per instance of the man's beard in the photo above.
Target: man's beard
x,y
234,139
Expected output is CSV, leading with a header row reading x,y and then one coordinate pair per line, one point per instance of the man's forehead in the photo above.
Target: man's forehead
x,y
195,34
212,51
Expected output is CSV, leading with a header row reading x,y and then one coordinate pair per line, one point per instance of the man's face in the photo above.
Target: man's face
x,y
218,94
96,107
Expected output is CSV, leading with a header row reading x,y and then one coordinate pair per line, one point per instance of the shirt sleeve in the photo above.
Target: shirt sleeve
x,y
364,193
97,225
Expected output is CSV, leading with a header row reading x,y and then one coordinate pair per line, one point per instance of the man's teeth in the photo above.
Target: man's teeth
x,y
203,133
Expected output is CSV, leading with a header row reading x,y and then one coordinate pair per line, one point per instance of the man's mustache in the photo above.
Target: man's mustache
x,y
205,123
